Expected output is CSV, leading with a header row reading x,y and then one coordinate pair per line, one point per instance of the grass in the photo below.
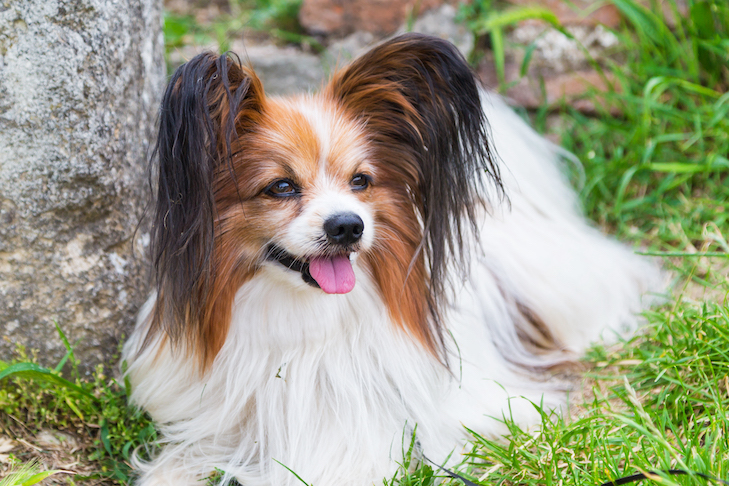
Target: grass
x,y
655,161
663,131
34,398
27,474
659,403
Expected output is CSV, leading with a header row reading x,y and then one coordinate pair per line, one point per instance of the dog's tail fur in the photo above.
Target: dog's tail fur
x,y
566,284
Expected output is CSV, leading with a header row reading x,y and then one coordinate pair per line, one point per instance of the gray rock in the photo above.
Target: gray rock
x,y
554,53
283,70
180,55
342,51
441,22
80,82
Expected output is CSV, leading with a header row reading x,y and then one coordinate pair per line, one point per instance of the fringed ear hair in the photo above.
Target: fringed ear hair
x,y
421,106
196,130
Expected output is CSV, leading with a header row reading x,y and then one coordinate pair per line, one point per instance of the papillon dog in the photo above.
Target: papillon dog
x,y
398,256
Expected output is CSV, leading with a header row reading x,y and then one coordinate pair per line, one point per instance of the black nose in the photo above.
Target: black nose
x,y
344,228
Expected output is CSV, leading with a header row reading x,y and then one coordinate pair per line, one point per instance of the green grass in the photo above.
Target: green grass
x,y
658,403
656,155
34,398
26,474
656,164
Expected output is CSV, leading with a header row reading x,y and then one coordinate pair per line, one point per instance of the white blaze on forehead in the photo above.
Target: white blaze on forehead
x,y
339,137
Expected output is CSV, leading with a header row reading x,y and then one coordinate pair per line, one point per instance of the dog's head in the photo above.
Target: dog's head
x,y
381,167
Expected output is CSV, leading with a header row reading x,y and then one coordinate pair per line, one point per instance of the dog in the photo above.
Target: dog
x,y
397,256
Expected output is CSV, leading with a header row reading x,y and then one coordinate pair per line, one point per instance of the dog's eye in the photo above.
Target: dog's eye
x,y
282,188
360,181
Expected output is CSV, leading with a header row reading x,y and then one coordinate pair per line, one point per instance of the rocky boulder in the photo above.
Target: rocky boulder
x,y
80,82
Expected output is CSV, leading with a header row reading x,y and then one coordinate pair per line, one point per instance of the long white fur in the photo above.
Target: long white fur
x,y
328,387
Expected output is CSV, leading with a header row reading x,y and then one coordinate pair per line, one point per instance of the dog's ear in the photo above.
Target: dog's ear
x,y
420,103
196,131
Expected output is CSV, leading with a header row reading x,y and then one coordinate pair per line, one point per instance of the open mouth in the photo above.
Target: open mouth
x,y
331,273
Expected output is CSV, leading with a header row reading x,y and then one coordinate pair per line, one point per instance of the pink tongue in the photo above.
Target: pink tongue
x,y
333,274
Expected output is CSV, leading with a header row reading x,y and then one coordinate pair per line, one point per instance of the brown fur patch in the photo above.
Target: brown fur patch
x,y
398,266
